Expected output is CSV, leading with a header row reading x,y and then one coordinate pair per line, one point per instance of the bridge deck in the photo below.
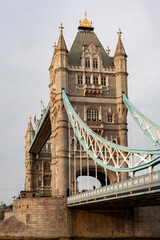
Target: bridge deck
x,y
42,134
140,191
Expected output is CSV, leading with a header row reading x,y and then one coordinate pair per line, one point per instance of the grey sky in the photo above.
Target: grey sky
x,y
28,29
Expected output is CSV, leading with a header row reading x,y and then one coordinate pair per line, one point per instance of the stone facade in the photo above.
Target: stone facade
x,y
38,167
48,218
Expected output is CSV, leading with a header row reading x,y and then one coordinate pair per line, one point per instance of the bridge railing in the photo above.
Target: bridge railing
x,y
120,187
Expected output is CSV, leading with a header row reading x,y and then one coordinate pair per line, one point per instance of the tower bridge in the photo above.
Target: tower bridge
x,y
83,132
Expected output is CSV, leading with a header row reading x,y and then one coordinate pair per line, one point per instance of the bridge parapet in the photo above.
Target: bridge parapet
x,y
146,184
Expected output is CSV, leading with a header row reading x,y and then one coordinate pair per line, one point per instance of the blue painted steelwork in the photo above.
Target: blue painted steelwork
x,y
133,109
71,113
117,189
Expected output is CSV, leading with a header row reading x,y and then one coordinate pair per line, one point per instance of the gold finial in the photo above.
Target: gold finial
x,y
85,22
119,32
61,28
30,118
108,50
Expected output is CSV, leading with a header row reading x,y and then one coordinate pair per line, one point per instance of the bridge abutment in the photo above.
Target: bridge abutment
x,y
49,218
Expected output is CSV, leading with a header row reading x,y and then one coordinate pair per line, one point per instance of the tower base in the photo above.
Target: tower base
x,y
49,218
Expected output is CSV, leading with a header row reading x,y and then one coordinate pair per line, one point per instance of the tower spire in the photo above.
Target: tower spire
x,y
61,42
30,127
120,48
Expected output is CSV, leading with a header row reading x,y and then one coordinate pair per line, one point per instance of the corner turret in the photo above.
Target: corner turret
x,y
28,156
58,80
120,63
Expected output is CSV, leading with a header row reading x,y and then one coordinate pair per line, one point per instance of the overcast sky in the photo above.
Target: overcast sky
x,y
28,29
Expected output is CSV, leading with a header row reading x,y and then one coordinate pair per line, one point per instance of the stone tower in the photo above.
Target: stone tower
x,y
59,123
94,83
29,157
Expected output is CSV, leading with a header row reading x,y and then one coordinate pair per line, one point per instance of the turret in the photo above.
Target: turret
x,y
58,80
120,63
28,156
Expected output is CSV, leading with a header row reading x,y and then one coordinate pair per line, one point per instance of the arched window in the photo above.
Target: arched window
x,y
110,118
80,81
47,181
88,82
46,166
87,63
37,167
92,115
95,80
95,63
103,81
78,145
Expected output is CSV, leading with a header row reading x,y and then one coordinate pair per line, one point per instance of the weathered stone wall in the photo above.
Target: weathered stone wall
x,y
147,222
49,218
8,214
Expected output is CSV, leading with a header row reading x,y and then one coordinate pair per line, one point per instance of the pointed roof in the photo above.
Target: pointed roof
x,y
84,38
61,42
30,127
120,48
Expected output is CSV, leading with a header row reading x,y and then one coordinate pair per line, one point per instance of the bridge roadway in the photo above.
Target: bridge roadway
x,y
133,192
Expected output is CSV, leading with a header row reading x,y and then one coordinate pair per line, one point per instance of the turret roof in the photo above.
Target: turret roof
x,y
85,37
120,48
61,42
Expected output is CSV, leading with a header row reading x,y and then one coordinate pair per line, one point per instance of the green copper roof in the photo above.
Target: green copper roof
x,y
85,38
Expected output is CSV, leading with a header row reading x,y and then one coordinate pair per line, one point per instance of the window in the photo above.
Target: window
x,y
110,118
39,183
95,80
103,81
78,145
87,63
95,63
49,147
47,182
88,82
92,115
37,167
46,166
80,80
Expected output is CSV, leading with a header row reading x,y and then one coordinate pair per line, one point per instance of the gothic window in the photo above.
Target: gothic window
x,y
103,81
46,166
78,145
87,63
49,147
47,181
95,80
39,183
92,115
88,82
37,167
80,81
95,63
110,118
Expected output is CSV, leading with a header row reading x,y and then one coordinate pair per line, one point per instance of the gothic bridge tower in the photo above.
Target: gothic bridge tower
x,y
94,83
